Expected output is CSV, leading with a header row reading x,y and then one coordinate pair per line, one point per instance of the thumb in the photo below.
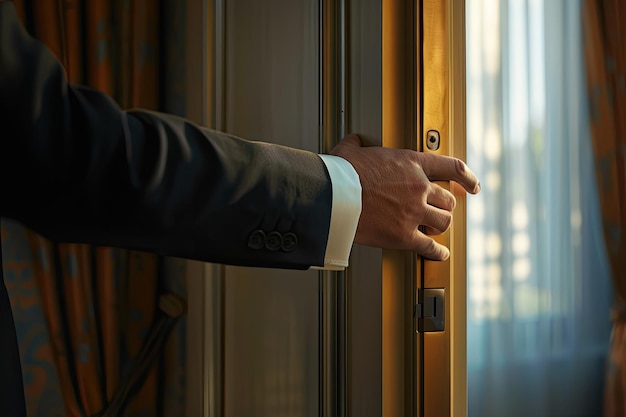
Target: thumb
x,y
351,140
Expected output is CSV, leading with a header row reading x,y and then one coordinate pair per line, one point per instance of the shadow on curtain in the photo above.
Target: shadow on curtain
x,y
605,48
92,321
539,290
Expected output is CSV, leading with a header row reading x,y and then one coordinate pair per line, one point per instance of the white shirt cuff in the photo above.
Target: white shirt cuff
x,y
346,210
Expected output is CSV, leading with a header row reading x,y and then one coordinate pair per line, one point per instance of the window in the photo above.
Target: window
x,y
538,284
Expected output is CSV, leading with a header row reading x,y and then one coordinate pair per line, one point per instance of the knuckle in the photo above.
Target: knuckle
x,y
461,168
447,221
452,201
420,187
430,248
406,233
441,220
406,238
448,199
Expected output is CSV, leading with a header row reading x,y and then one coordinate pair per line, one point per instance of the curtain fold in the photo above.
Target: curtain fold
x,y
107,320
605,50
604,24
539,290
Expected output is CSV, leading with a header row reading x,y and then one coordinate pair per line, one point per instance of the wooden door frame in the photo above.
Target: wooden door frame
x,y
444,354
369,345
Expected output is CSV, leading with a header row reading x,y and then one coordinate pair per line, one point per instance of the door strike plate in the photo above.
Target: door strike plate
x,y
430,310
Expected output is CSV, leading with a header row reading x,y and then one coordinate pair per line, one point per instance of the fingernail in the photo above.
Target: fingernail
x,y
477,188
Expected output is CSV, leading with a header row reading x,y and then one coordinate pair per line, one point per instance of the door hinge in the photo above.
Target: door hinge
x,y
430,310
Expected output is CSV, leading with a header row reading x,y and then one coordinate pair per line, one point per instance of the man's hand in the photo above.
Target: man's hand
x,y
399,197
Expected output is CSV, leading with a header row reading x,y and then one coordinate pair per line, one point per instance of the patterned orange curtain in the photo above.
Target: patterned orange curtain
x,y
604,23
106,315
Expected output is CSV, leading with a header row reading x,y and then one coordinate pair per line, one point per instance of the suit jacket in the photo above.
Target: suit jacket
x,y
76,168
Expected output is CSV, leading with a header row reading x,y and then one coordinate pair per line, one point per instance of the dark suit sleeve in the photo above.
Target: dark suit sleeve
x,y
77,168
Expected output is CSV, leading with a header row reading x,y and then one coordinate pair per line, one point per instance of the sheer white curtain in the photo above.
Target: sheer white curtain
x,y
539,292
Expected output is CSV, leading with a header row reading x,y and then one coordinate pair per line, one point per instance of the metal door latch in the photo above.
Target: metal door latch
x,y
430,310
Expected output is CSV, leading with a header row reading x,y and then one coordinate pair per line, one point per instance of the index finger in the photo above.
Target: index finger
x,y
447,168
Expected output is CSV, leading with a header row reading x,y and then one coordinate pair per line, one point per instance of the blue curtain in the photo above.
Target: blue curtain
x,y
539,291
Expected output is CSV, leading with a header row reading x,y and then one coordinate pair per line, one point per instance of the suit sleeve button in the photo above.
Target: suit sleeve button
x,y
290,241
273,241
257,240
